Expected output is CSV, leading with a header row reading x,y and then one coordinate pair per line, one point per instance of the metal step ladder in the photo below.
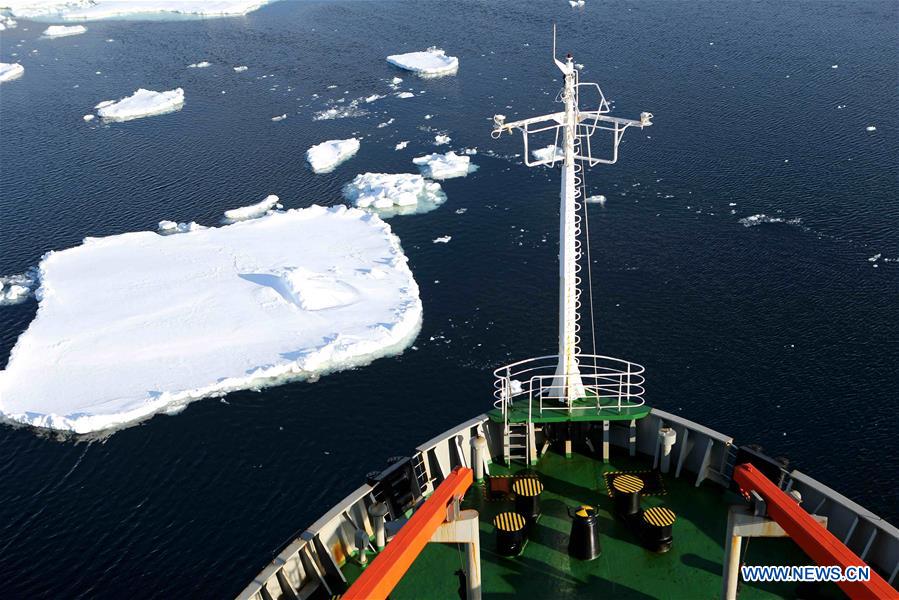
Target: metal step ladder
x,y
516,443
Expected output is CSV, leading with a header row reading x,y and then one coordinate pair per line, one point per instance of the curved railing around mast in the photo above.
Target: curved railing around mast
x,y
611,384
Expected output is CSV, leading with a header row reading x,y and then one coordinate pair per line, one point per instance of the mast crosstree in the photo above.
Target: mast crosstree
x,y
576,128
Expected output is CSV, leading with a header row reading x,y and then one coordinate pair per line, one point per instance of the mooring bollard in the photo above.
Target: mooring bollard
x,y
667,438
378,513
478,453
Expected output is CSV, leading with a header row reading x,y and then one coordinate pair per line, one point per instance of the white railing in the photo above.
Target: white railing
x,y
610,384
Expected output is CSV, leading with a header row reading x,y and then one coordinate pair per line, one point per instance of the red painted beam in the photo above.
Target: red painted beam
x,y
820,545
386,570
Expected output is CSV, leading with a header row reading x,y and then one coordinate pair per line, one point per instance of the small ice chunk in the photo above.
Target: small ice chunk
x,y
762,218
240,69
170,227
444,166
396,80
575,3
88,117
433,62
394,193
386,123
549,153
870,128
444,239
252,211
441,139
405,95
597,199
373,97
834,66
876,257
340,112
64,30
10,71
200,65
15,289
325,157
142,103
279,117
401,145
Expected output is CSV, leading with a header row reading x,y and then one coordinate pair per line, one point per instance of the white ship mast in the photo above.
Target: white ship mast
x,y
577,127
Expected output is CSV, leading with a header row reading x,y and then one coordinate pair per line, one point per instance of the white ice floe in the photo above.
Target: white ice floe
x,y
444,239
10,71
138,324
142,103
325,157
550,152
240,69
88,10
401,145
253,211
171,227
597,199
15,289
279,117
386,123
762,218
401,193
834,66
574,3
64,30
373,97
433,62
200,65
870,128
7,23
89,117
441,139
405,95
444,166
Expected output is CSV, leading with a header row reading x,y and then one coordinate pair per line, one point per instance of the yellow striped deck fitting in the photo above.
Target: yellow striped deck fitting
x,y
509,521
627,484
659,516
527,486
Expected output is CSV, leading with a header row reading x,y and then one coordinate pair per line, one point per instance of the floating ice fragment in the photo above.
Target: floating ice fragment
x,y
279,117
386,123
170,227
445,239
762,218
240,69
142,103
550,152
340,112
15,289
325,157
88,117
373,97
92,10
875,258
441,139
252,211
597,199
401,193
199,65
10,71
576,3
401,145
870,128
433,62
64,30
444,166
405,95
834,66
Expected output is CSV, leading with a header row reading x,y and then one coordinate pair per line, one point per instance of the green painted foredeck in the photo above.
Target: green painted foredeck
x,y
691,570
584,409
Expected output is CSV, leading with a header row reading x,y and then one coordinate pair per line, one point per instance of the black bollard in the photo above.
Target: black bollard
x,y
626,490
583,543
657,522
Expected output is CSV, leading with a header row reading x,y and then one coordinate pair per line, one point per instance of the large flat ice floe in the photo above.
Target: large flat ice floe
x,y
142,103
433,62
137,324
444,166
10,71
394,193
88,10
325,157
64,30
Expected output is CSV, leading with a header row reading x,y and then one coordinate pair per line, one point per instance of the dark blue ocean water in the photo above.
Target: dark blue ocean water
x,y
781,334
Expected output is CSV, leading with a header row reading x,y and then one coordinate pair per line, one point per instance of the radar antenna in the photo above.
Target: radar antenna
x,y
577,128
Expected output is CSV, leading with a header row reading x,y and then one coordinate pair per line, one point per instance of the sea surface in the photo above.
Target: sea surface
x,y
783,332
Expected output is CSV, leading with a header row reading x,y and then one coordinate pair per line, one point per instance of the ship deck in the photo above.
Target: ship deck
x,y
690,570
583,409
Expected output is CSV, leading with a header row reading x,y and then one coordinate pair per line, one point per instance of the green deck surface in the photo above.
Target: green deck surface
x,y
584,409
691,570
